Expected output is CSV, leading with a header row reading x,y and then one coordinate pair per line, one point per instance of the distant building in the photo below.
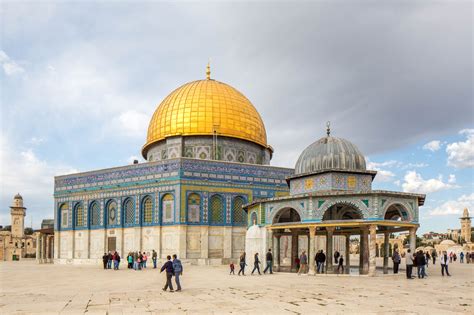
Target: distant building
x,y
458,240
47,224
14,244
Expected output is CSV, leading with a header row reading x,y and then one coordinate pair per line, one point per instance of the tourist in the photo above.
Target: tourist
x,y
269,259
145,258
168,266
109,260
154,257
420,261
409,264
130,260
105,259
461,258
444,264
297,263
451,257
242,264
256,263
336,257
455,257
340,265
396,260
232,268
321,261
178,271
135,261
434,255
116,261
303,263
428,257
468,258
140,260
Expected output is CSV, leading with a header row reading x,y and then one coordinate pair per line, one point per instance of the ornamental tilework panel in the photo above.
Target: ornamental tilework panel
x,y
228,208
205,207
331,181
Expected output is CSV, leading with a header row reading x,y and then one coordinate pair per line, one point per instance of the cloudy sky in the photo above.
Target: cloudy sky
x,y
80,81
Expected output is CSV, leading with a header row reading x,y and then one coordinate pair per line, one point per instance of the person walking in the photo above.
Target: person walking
x,y
232,268
109,260
178,271
116,261
303,263
322,261
154,257
444,264
242,264
105,259
434,255
168,266
451,257
269,258
428,258
130,260
409,264
140,260
135,261
340,265
420,264
461,258
256,264
336,257
396,260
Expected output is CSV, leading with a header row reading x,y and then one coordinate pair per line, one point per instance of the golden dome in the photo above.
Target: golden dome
x,y
202,107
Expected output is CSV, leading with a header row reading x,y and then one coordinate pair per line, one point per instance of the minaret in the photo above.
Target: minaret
x,y
466,226
18,217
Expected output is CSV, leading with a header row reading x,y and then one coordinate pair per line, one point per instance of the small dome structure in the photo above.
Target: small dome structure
x,y
330,153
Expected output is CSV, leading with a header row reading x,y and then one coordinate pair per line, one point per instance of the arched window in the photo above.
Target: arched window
x,y
129,211
147,209
112,212
79,213
216,211
253,218
194,208
95,214
64,210
238,214
167,208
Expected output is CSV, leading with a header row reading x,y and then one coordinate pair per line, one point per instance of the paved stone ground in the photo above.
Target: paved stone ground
x,y
27,288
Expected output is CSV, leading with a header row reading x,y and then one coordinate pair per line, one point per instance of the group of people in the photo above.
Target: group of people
x,y
468,256
256,264
138,260
111,259
421,261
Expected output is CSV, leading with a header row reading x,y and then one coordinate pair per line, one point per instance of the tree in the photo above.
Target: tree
x,y
7,228
28,231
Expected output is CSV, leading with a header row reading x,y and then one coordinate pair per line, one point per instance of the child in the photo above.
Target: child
x,y
232,267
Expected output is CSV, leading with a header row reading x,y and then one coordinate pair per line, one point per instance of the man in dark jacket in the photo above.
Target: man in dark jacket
x,y
109,261
269,261
105,259
420,264
168,266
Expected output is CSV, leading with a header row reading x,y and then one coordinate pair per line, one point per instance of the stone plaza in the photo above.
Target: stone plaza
x,y
85,289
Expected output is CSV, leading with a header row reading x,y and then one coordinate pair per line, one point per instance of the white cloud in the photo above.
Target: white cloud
x,y
415,165
433,146
453,207
131,123
383,175
30,176
461,154
452,179
413,182
10,67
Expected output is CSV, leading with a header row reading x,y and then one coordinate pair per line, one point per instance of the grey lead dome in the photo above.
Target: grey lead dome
x,y
330,153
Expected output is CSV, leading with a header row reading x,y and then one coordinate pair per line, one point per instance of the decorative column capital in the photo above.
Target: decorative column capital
x,y
312,230
372,229
330,229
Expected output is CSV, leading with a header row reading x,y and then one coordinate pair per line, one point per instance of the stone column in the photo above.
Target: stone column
x,y
38,258
329,251
294,249
312,252
386,243
413,239
205,242
46,249
348,254
365,252
277,253
372,250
